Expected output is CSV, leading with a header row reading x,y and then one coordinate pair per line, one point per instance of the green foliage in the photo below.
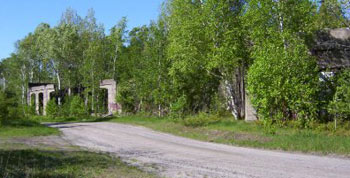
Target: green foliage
x,y
340,105
193,59
64,109
9,108
25,127
330,15
126,96
200,120
283,78
283,82
3,106
77,107
269,127
177,109
52,109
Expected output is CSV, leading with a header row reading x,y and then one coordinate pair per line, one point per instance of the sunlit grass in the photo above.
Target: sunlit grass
x,y
25,128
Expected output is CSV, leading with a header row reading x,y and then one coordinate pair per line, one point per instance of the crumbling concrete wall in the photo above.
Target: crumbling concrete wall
x,y
250,112
332,49
111,87
36,89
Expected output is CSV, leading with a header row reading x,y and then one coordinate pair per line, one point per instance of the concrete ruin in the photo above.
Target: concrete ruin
x,y
111,86
45,89
332,49
40,88
250,112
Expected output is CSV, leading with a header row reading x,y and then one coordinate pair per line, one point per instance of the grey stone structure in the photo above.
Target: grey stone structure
x,y
36,89
250,112
332,49
111,87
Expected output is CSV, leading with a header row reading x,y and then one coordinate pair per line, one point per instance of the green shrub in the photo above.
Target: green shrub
x,y
126,95
77,107
202,119
3,106
64,109
52,109
340,105
177,109
283,81
9,108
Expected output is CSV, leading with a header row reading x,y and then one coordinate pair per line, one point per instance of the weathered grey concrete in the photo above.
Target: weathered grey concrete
x,y
173,156
111,87
332,49
45,89
250,112
340,33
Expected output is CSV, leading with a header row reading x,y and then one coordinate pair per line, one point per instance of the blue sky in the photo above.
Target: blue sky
x,y
19,17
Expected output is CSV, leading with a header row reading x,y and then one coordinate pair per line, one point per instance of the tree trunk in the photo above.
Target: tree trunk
x,y
243,92
86,100
114,63
159,110
230,99
235,93
59,88
23,84
92,99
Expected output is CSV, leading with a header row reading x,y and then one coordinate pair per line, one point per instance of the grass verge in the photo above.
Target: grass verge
x,y
24,155
240,133
51,162
25,128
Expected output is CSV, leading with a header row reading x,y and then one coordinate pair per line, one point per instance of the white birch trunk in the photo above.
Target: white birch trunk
x,y
59,87
23,83
230,99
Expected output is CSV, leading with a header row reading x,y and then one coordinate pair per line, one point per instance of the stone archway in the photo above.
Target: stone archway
x,y
111,87
40,88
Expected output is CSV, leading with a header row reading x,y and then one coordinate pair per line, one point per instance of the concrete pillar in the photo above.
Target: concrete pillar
x,y
45,100
29,98
36,89
37,105
111,87
250,112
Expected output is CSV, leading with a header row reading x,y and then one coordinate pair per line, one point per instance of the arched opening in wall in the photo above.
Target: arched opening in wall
x,y
32,103
103,101
41,103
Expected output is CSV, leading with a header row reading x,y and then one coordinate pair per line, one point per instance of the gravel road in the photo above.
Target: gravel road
x,y
173,156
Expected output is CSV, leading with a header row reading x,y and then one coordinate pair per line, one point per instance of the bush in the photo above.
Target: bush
x,y
126,96
3,106
177,109
9,108
52,109
340,105
77,107
202,119
64,109
283,82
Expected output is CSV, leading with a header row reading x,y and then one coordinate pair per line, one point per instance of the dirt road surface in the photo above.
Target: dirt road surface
x,y
173,156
